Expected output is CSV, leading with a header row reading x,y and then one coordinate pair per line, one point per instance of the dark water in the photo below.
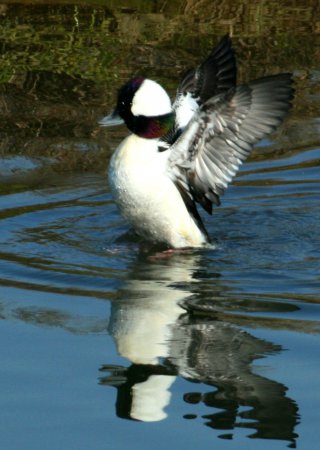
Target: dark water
x,y
213,348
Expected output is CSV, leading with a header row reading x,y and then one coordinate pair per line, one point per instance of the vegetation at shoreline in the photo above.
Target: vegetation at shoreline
x,y
62,62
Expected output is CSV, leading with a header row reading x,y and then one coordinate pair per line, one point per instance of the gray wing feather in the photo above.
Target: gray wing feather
x,y
222,133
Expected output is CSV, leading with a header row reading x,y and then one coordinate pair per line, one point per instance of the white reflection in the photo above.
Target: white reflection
x,y
151,397
142,322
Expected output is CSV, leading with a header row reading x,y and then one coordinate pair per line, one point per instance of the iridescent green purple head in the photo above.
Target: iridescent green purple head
x,y
145,107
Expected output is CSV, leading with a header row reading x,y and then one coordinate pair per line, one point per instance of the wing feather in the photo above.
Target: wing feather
x,y
217,74
222,133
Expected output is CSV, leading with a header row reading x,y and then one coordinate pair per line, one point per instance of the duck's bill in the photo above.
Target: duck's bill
x,y
111,120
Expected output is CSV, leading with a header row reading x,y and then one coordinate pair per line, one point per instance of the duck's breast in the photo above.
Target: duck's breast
x,y
147,196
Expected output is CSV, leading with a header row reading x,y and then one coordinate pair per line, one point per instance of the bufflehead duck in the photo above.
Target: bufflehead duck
x,y
186,153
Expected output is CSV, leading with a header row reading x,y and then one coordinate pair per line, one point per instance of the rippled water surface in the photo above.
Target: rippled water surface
x,y
108,343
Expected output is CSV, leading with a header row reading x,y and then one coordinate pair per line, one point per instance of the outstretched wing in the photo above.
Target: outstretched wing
x,y
217,74
220,136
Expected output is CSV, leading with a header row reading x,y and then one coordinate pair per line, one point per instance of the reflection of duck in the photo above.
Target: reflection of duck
x,y
187,153
220,354
141,323
162,341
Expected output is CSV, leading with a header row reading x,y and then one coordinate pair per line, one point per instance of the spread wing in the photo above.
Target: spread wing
x,y
217,74
221,135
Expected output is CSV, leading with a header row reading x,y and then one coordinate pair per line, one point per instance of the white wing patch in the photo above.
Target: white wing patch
x,y
185,106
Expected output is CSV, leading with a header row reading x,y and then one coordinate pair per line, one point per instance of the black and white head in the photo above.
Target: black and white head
x,y
144,106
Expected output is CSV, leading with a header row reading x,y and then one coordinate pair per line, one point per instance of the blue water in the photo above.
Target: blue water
x,y
206,347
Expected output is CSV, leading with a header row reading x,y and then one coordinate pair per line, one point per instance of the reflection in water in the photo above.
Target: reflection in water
x,y
221,355
142,322
154,332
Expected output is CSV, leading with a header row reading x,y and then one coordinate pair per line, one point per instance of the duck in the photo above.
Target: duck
x,y
181,156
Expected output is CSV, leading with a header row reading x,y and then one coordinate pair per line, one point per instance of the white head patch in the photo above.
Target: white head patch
x,y
150,100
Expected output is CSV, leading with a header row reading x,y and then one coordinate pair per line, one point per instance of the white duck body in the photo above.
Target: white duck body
x,y
147,197
183,155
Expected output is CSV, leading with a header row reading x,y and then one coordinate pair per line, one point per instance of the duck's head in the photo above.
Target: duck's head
x,y
144,106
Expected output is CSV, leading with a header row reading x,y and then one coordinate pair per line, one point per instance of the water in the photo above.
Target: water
x,y
207,348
